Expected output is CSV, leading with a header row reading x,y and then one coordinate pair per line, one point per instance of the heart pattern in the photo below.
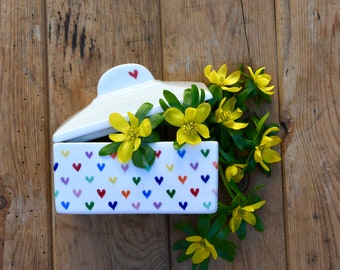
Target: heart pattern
x,y
180,181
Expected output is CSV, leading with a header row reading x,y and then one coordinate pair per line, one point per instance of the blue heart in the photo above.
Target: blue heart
x,y
113,205
101,166
146,193
55,167
159,180
181,153
205,178
183,205
65,204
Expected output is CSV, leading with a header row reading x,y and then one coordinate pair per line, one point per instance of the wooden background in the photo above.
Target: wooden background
x,y
52,54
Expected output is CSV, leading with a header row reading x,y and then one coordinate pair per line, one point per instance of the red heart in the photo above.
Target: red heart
x,y
194,191
76,166
158,153
113,155
134,74
101,193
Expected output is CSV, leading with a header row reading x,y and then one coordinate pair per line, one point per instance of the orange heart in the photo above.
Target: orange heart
x,y
126,193
182,178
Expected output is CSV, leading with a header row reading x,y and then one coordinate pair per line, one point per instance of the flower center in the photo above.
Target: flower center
x,y
132,134
190,128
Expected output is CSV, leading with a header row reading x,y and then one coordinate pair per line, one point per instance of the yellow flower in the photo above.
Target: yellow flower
x,y
235,172
244,213
262,80
201,249
263,153
130,134
220,78
226,114
190,123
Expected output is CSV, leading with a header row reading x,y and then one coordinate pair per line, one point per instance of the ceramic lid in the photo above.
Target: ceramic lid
x,y
121,89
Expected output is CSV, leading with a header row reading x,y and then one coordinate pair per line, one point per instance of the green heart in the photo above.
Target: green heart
x,y
171,193
136,180
89,205
205,153
89,179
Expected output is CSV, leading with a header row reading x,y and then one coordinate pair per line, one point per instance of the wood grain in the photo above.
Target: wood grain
x,y
86,39
25,209
309,46
229,34
52,54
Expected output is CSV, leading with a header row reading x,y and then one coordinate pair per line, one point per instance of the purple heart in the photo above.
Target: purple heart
x,y
124,167
205,178
89,154
183,205
159,180
194,166
113,205
65,180
157,205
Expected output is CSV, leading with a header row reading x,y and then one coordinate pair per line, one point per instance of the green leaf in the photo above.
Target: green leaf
x,y
153,137
183,257
137,158
143,111
163,104
202,96
221,235
181,244
194,96
172,100
260,123
156,120
259,226
109,149
186,228
242,231
217,225
149,154
203,225
204,265
187,98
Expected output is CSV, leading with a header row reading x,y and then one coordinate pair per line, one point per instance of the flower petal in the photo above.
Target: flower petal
x,y
117,137
190,114
174,117
133,120
145,128
200,255
249,218
124,152
233,78
118,122
270,156
235,223
192,248
203,111
203,130
253,207
223,70
181,136
229,105
193,139
194,238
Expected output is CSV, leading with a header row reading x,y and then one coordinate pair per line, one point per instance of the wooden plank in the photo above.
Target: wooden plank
x,y
85,39
309,43
198,33
24,187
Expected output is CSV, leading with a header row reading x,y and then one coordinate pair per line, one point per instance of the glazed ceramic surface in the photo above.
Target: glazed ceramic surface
x,y
183,181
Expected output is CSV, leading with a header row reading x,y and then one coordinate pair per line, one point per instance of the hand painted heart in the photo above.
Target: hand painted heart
x,y
181,153
113,205
88,154
182,179
65,204
194,191
134,74
171,193
65,180
146,193
89,205
194,165
136,205
159,180
77,192
205,153
101,193
183,205
205,178
76,166
124,167
158,153
157,205
55,167
101,166
126,193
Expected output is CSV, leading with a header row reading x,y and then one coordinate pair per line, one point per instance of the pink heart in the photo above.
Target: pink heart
x,y
77,192
134,74
136,205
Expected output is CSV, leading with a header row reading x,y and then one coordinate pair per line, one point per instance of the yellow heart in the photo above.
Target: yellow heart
x,y
169,167
65,153
113,180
